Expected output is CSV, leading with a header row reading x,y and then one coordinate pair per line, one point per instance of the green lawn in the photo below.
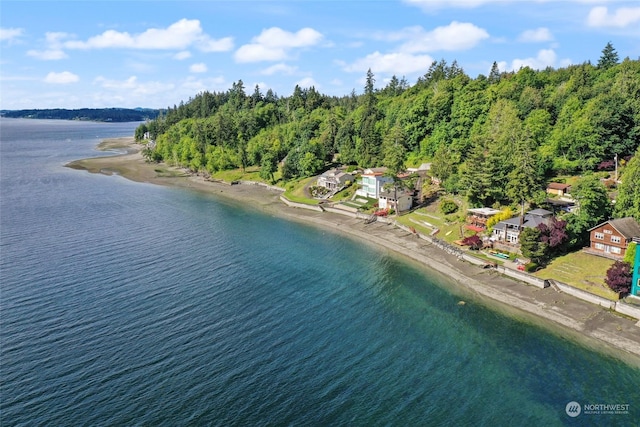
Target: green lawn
x,y
449,225
249,174
584,271
295,191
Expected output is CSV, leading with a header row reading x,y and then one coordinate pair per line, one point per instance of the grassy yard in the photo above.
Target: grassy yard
x,y
295,191
249,174
581,270
427,218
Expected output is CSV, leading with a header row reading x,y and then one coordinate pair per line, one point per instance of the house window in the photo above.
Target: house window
x,y
599,236
599,246
615,239
615,250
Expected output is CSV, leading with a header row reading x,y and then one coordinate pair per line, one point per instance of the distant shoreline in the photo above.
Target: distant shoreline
x,y
564,315
102,115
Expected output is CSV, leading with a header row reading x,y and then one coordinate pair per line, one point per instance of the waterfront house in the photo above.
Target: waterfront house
x,y
635,282
508,231
611,238
372,181
334,180
558,189
477,218
401,200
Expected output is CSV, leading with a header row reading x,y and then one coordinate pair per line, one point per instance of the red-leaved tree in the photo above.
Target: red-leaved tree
x,y
555,234
619,277
474,242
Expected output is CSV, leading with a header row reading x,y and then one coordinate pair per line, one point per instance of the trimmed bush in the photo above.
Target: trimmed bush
x,y
448,206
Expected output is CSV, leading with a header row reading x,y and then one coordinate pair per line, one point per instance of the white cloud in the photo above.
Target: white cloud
x,y
132,86
48,55
393,63
276,37
453,37
257,52
54,52
10,34
545,58
621,18
279,69
178,35
220,45
541,34
64,77
192,85
180,56
274,44
307,82
198,68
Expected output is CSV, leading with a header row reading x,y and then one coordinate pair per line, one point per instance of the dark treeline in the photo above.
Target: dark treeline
x,y
91,114
496,139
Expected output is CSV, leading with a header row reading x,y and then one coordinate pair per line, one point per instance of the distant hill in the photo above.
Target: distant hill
x,y
89,114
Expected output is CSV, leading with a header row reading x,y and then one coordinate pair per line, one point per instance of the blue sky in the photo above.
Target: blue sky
x,y
57,54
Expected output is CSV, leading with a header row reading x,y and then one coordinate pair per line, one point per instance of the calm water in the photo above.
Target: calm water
x,y
131,304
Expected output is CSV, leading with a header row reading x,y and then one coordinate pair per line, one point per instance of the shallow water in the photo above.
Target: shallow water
x,y
126,303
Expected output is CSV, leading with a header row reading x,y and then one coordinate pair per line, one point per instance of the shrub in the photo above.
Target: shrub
x,y
474,242
448,206
619,277
531,267
503,215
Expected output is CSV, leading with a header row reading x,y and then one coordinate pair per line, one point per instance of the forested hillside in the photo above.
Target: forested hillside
x,y
497,139
92,114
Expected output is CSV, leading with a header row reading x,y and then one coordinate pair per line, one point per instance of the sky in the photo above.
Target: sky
x,y
155,54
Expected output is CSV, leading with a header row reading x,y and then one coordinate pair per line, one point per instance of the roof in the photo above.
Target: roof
x,y
628,227
539,212
557,186
531,219
375,171
484,211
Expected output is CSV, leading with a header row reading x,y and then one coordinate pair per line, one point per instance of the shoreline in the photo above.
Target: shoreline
x,y
561,314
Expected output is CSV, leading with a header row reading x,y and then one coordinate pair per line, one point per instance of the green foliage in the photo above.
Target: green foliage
x,y
609,57
532,247
448,206
495,139
531,267
630,253
628,199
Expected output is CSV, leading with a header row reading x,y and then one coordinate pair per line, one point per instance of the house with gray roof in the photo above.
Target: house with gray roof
x,y
508,231
334,179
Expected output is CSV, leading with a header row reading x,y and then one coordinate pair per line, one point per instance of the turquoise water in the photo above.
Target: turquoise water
x,y
131,304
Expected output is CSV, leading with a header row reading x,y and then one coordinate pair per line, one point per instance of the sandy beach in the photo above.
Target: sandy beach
x,y
564,315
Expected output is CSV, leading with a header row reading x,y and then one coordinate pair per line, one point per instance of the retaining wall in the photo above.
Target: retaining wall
x,y
340,211
628,309
585,296
522,276
261,184
300,205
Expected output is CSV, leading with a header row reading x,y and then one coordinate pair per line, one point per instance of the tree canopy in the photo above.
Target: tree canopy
x,y
497,139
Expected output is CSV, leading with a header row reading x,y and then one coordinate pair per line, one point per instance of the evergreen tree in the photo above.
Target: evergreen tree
x,y
609,57
494,74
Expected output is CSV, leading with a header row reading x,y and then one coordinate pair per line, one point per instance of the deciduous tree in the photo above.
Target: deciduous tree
x,y
619,277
